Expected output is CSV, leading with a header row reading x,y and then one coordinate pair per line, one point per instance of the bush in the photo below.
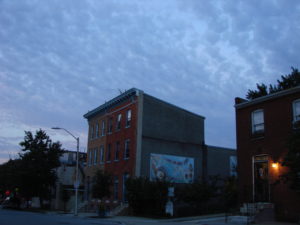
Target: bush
x,y
147,197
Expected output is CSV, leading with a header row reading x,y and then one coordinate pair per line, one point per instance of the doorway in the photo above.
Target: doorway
x,y
261,179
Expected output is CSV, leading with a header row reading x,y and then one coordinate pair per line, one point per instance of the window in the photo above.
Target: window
x,y
97,130
258,125
127,149
125,178
92,132
101,154
108,154
118,126
110,125
90,157
103,128
128,118
116,187
296,110
95,156
117,152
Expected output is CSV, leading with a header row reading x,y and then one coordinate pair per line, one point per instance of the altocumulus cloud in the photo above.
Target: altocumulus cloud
x,y
59,59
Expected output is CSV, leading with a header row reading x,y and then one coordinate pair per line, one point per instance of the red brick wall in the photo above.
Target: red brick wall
x,y
278,116
122,166
118,168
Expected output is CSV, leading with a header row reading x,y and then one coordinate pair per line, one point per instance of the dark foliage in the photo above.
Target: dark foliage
x,y
39,159
286,82
147,197
101,187
230,193
292,161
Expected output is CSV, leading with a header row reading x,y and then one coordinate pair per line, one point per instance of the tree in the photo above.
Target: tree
x,y
288,81
147,197
292,161
102,184
39,159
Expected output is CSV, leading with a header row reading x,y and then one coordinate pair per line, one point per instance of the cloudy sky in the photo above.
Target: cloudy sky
x,y
61,58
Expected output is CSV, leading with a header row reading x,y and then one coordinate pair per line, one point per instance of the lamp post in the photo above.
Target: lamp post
x,y
76,185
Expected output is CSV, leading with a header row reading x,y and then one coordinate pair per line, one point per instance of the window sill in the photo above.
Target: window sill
x,y
127,158
108,161
116,160
257,137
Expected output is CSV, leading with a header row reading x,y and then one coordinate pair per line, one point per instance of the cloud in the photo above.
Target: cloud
x,y
60,59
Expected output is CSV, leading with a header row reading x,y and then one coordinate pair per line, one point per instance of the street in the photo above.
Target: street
x,y
11,217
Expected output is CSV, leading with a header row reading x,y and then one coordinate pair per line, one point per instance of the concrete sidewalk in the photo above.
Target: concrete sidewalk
x,y
213,219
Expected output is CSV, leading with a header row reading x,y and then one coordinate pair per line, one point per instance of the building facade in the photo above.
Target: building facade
x,y
263,127
136,134
64,192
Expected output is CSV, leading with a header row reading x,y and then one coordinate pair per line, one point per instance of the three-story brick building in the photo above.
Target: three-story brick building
x,y
136,134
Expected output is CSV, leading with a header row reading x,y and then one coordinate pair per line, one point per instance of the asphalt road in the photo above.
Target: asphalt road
x,y
11,217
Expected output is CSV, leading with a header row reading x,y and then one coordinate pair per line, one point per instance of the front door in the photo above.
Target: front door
x,y
261,179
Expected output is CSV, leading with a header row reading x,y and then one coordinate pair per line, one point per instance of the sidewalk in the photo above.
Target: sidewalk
x,y
214,219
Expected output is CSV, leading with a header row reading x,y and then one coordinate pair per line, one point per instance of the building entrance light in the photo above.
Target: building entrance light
x,y
275,165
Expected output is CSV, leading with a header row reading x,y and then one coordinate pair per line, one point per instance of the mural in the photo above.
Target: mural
x,y
175,169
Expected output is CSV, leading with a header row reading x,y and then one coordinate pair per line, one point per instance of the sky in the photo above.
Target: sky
x,y
61,58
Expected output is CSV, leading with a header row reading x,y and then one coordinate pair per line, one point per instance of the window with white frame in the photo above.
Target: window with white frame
x,y
296,110
128,118
258,125
118,125
97,130
110,125
108,153
117,152
127,149
103,128
101,154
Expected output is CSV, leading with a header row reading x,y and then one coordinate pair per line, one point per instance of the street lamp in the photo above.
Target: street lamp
x,y
76,185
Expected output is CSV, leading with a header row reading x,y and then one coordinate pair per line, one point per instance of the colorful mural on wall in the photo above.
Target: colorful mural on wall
x,y
175,169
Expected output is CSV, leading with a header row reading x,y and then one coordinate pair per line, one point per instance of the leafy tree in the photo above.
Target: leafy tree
x,y
147,197
288,81
292,161
230,192
102,184
10,175
39,159
199,193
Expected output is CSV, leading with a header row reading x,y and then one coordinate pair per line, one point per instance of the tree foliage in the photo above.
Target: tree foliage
x,y
286,82
33,173
147,197
40,157
292,161
103,182
10,176
199,193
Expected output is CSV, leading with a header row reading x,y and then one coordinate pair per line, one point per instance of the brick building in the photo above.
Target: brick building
x,y
263,126
136,134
